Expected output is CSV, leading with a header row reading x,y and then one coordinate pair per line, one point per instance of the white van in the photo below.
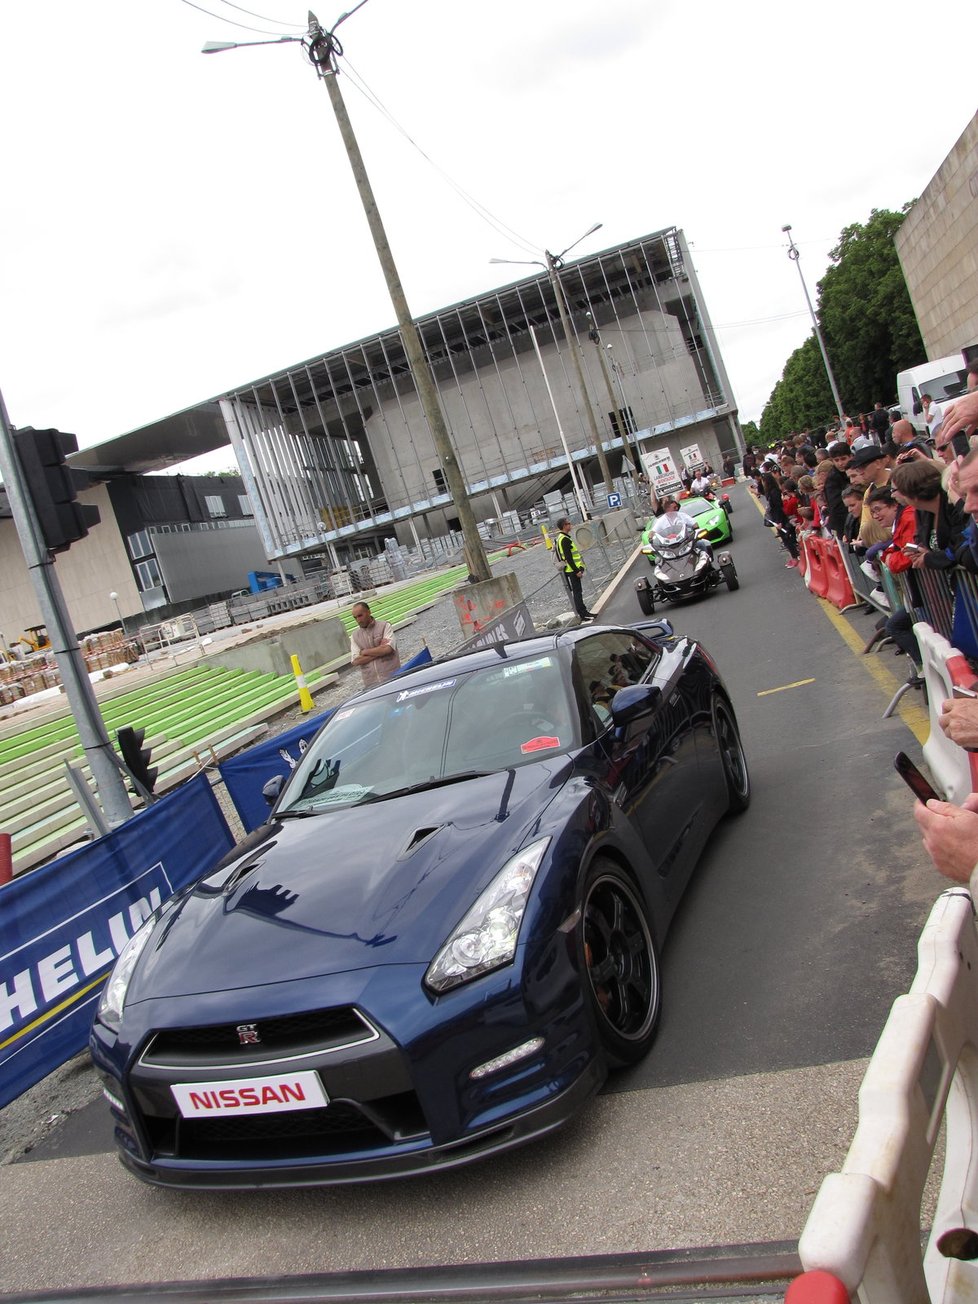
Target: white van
x,y
943,379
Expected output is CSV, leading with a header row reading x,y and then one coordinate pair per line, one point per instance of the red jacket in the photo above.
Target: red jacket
x,y
904,530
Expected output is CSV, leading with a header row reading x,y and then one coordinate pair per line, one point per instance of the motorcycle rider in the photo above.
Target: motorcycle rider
x,y
674,518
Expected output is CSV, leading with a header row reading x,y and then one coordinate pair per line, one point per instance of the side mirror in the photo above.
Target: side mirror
x,y
270,791
634,703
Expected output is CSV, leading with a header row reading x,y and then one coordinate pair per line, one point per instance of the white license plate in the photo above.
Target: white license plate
x,y
271,1095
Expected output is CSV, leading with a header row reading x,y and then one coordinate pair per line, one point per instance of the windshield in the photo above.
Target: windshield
x,y
697,506
442,731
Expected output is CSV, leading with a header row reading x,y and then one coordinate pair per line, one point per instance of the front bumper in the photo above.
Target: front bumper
x,y
395,1107
409,1159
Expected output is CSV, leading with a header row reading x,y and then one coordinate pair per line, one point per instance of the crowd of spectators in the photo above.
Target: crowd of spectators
x,y
902,500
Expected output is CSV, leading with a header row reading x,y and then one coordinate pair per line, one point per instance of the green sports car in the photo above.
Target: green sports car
x,y
709,515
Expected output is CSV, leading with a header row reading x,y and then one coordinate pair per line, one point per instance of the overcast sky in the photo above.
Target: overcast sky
x,y
173,225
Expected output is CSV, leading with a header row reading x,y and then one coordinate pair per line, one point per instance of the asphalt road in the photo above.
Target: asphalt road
x,y
796,934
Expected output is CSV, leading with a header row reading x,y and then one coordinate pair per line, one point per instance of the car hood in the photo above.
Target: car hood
x,y
382,883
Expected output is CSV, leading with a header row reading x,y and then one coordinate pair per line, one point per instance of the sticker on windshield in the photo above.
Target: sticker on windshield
x,y
428,688
541,744
342,715
522,666
351,792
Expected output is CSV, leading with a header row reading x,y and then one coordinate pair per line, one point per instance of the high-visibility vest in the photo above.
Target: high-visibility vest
x,y
576,562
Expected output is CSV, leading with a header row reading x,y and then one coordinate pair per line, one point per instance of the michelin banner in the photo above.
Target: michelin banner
x,y
247,773
62,926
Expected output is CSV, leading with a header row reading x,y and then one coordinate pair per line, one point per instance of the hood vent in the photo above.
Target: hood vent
x,y
418,838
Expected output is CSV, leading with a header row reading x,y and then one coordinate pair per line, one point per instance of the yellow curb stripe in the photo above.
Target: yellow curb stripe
x,y
911,712
766,692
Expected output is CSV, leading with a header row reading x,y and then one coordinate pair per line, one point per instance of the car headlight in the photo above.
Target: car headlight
x,y
114,992
487,935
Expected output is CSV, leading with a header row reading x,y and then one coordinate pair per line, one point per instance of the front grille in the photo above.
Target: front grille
x,y
340,1128
287,1036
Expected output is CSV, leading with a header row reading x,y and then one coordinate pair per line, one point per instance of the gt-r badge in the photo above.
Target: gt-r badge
x,y
248,1034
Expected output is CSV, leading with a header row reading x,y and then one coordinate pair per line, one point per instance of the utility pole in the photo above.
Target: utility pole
x,y
323,48
64,644
595,339
554,263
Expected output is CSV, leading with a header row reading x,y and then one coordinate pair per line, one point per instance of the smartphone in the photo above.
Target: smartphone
x,y
958,690
911,547
912,777
961,444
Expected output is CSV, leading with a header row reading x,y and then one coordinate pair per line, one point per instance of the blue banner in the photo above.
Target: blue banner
x,y
247,773
62,926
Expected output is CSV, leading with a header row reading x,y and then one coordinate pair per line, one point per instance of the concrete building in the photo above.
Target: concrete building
x,y
163,544
336,453
938,250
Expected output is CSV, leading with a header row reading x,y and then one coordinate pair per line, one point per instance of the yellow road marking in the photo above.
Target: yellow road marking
x,y
766,692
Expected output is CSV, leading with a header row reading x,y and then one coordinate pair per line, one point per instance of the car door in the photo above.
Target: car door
x,y
652,764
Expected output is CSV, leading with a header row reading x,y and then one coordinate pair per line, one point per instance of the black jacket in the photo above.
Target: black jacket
x,y
836,482
949,526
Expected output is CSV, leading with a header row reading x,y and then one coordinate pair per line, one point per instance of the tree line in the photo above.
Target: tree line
x,y
869,328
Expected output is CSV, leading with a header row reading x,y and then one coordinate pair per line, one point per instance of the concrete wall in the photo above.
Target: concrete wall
x,y
938,250
315,643
88,572
501,417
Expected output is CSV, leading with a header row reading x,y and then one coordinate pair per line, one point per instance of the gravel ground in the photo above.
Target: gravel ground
x,y
27,1120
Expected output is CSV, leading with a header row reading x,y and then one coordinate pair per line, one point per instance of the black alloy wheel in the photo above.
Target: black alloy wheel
x,y
622,964
732,756
645,599
730,577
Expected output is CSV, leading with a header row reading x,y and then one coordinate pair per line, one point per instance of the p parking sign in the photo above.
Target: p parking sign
x,y
614,500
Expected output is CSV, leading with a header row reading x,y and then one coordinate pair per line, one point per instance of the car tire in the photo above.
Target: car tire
x,y
621,964
729,532
732,758
646,600
730,577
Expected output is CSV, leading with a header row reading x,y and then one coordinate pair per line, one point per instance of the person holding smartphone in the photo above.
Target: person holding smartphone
x,y
950,835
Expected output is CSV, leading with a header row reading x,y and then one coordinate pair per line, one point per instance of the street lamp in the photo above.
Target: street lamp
x,y
114,599
323,49
795,254
553,265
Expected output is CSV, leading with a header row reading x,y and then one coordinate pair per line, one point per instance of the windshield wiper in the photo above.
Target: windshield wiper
x,y
293,812
427,784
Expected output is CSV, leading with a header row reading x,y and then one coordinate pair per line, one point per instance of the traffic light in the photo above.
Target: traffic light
x,y
53,486
137,757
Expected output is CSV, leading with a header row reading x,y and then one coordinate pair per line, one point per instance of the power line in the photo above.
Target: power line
x,y
265,19
480,209
244,26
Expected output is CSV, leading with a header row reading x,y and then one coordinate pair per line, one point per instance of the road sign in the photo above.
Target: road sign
x,y
614,500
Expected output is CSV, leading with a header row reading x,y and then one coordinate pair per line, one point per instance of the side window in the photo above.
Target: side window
x,y
608,662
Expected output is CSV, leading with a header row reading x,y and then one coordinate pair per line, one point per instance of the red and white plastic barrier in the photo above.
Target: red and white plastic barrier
x,y
817,577
864,1229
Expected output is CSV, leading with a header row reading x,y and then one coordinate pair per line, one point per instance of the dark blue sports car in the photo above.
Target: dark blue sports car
x,y
446,933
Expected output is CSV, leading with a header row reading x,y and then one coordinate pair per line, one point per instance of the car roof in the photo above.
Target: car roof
x,y
523,649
